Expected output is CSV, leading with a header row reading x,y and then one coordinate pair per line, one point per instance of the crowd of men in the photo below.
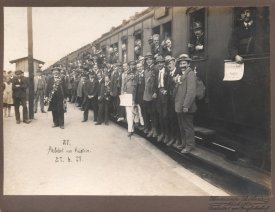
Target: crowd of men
x,y
163,92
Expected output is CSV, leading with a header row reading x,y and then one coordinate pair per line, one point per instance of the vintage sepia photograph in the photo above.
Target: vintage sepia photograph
x,y
138,101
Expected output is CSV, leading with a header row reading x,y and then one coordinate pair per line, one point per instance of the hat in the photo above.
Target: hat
x,y
38,71
160,59
18,72
132,62
118,64
56,68
169,58
197,25
148,55
184,57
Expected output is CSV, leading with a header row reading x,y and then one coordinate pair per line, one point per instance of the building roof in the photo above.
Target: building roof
x,y
25,58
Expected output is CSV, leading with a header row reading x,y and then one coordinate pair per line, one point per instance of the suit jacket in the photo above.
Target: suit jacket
x,y
150,76
114,84
58,97
43,83
104,93
91,88
19,92
185,92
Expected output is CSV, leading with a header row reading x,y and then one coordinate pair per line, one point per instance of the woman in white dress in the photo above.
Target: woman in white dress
x,y
7,97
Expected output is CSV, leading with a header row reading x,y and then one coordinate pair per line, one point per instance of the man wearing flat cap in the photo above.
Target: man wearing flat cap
x,y
19,87
185,105
39,90
55,97
196,45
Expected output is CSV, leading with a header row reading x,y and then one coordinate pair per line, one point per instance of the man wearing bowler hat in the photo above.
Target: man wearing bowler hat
x,y
55,97
19,86
185,105
196,45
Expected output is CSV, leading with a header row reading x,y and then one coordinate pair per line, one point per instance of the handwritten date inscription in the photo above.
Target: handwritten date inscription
x,y
67,153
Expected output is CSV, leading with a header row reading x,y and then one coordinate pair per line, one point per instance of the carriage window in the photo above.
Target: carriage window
x,y
113,53
156,30
197,34
124,46
138,44
250,35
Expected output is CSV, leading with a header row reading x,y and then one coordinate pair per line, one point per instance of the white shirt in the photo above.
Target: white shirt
x,y
161,78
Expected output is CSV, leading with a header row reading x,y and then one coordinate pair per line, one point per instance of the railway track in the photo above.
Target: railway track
x,y
232,182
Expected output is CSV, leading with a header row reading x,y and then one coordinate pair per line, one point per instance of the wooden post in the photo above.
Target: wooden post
x,y
30,63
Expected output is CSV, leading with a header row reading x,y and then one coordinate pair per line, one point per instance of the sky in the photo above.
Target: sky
x,y
57,31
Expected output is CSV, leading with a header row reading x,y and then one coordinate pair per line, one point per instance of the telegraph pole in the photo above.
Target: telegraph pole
x,y
30,63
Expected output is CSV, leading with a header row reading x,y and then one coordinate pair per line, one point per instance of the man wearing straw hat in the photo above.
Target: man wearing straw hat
x,y
185,105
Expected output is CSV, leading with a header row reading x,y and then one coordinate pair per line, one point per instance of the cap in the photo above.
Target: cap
x,y
18,72
197,25
160,59
169,58
132,62
184,57
148,55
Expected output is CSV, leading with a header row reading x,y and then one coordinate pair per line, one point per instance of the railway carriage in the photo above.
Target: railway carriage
x,y
234,116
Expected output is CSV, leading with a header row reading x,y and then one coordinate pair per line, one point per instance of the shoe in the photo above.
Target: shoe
x,y
177,143
84,120
141,128
17,122
62,127
130,134
160,137
166,139
180,147
97,123
55,126
120,119
155,134
145,131
187,150
150,134
43,111
27,121
169,143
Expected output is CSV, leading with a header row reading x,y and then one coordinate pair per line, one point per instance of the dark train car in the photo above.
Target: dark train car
x,y
236,112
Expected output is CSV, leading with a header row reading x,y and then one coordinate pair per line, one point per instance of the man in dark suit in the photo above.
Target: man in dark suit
x,y
19,86
115,86
55,97
161,102
185,105
91,89
242,41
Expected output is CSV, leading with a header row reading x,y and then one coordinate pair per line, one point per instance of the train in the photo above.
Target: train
x,y
234,115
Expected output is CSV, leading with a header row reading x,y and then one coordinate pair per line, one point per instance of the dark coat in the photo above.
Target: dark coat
x,y
114,84
140,88
242,41
151,75
104,93
56,103
162,98
19,92
91,88
185,93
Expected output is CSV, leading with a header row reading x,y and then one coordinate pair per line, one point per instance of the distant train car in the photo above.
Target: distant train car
x,y
237,112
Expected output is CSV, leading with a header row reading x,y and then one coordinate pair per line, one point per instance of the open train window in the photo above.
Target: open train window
x,y
113,53
156,30
197,33
124,48
250,34
138,44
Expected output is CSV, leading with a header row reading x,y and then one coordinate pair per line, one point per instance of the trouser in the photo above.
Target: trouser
x,y
162,113
149,118
139,116
121,112
69,94
91,104
17,101
39,96
115,104
73,95
58,118
130,118
103,111
186,129
172,121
